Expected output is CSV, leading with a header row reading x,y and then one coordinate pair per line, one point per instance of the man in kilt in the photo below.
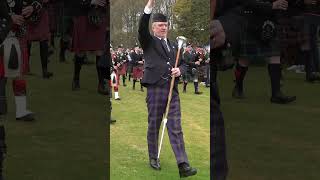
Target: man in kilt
x,y
38,30
14,16
122,63
66,29
298,39
192,73
137,62
89,29
159,53
258,37
114,81
55,13
207,65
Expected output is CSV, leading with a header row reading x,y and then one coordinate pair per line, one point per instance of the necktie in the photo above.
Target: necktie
x,y
165,44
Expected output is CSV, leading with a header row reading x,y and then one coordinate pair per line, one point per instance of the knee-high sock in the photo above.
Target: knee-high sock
x,y
3,98
141,87
196,86
185,85
19,89
77,67
116,93
101,72
274,73
52,39
124,79
63,49
3,149
308,62
134,84
240,73
29,53
44,55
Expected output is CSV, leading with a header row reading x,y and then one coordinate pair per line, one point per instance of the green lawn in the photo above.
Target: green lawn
x,y
68,139
129,152
267,141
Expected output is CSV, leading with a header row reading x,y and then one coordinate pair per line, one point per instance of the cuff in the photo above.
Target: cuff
x,y
147,10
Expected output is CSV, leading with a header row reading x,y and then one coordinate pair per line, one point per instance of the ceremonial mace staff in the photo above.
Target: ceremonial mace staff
x,y
181,41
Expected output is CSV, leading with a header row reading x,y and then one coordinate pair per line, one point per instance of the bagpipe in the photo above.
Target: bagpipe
x,y
120,60
36,15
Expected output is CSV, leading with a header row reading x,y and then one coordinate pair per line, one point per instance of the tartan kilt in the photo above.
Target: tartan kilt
x,y
123,69
293,31
39,31
54,12
130,68
86,37
251,46
24,58
137,72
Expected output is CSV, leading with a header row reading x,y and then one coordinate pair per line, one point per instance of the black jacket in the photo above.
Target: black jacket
x,y
135,58
156,58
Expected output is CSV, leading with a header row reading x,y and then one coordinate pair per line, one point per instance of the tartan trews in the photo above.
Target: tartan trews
x,y
156,103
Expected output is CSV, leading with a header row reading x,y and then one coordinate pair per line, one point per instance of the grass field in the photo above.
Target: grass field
x,y
68,139
129,152
267,141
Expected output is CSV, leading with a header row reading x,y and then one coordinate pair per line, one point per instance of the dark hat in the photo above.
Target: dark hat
x,y
158,17
120,46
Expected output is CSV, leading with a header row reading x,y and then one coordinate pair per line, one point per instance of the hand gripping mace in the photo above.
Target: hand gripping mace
x,y
181,41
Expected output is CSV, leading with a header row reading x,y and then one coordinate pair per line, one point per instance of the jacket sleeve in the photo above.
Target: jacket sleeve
x,y
144,35
4,11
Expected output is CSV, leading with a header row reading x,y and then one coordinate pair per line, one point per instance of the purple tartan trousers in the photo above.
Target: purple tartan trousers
x,y
218,151
156,102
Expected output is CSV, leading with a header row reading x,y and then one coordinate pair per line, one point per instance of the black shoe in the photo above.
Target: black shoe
x,y
47,75
133,88
155,164
141,90
197,92
186,170
237,94
112,121
27,117
280,98
75,85
124,85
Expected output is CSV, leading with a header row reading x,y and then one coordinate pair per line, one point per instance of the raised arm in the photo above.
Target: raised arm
x,y
144,33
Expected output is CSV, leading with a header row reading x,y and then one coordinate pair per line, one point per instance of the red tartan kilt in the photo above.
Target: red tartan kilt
x,y
39,31
293,31
87,37
24,67
137,72
123,69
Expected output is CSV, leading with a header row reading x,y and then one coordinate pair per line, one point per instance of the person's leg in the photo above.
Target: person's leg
x,y
19,86
156,107
240,73
274,69
44,48
78,62
176,137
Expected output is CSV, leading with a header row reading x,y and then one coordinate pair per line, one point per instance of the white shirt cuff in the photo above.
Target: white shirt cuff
x,y
147,10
